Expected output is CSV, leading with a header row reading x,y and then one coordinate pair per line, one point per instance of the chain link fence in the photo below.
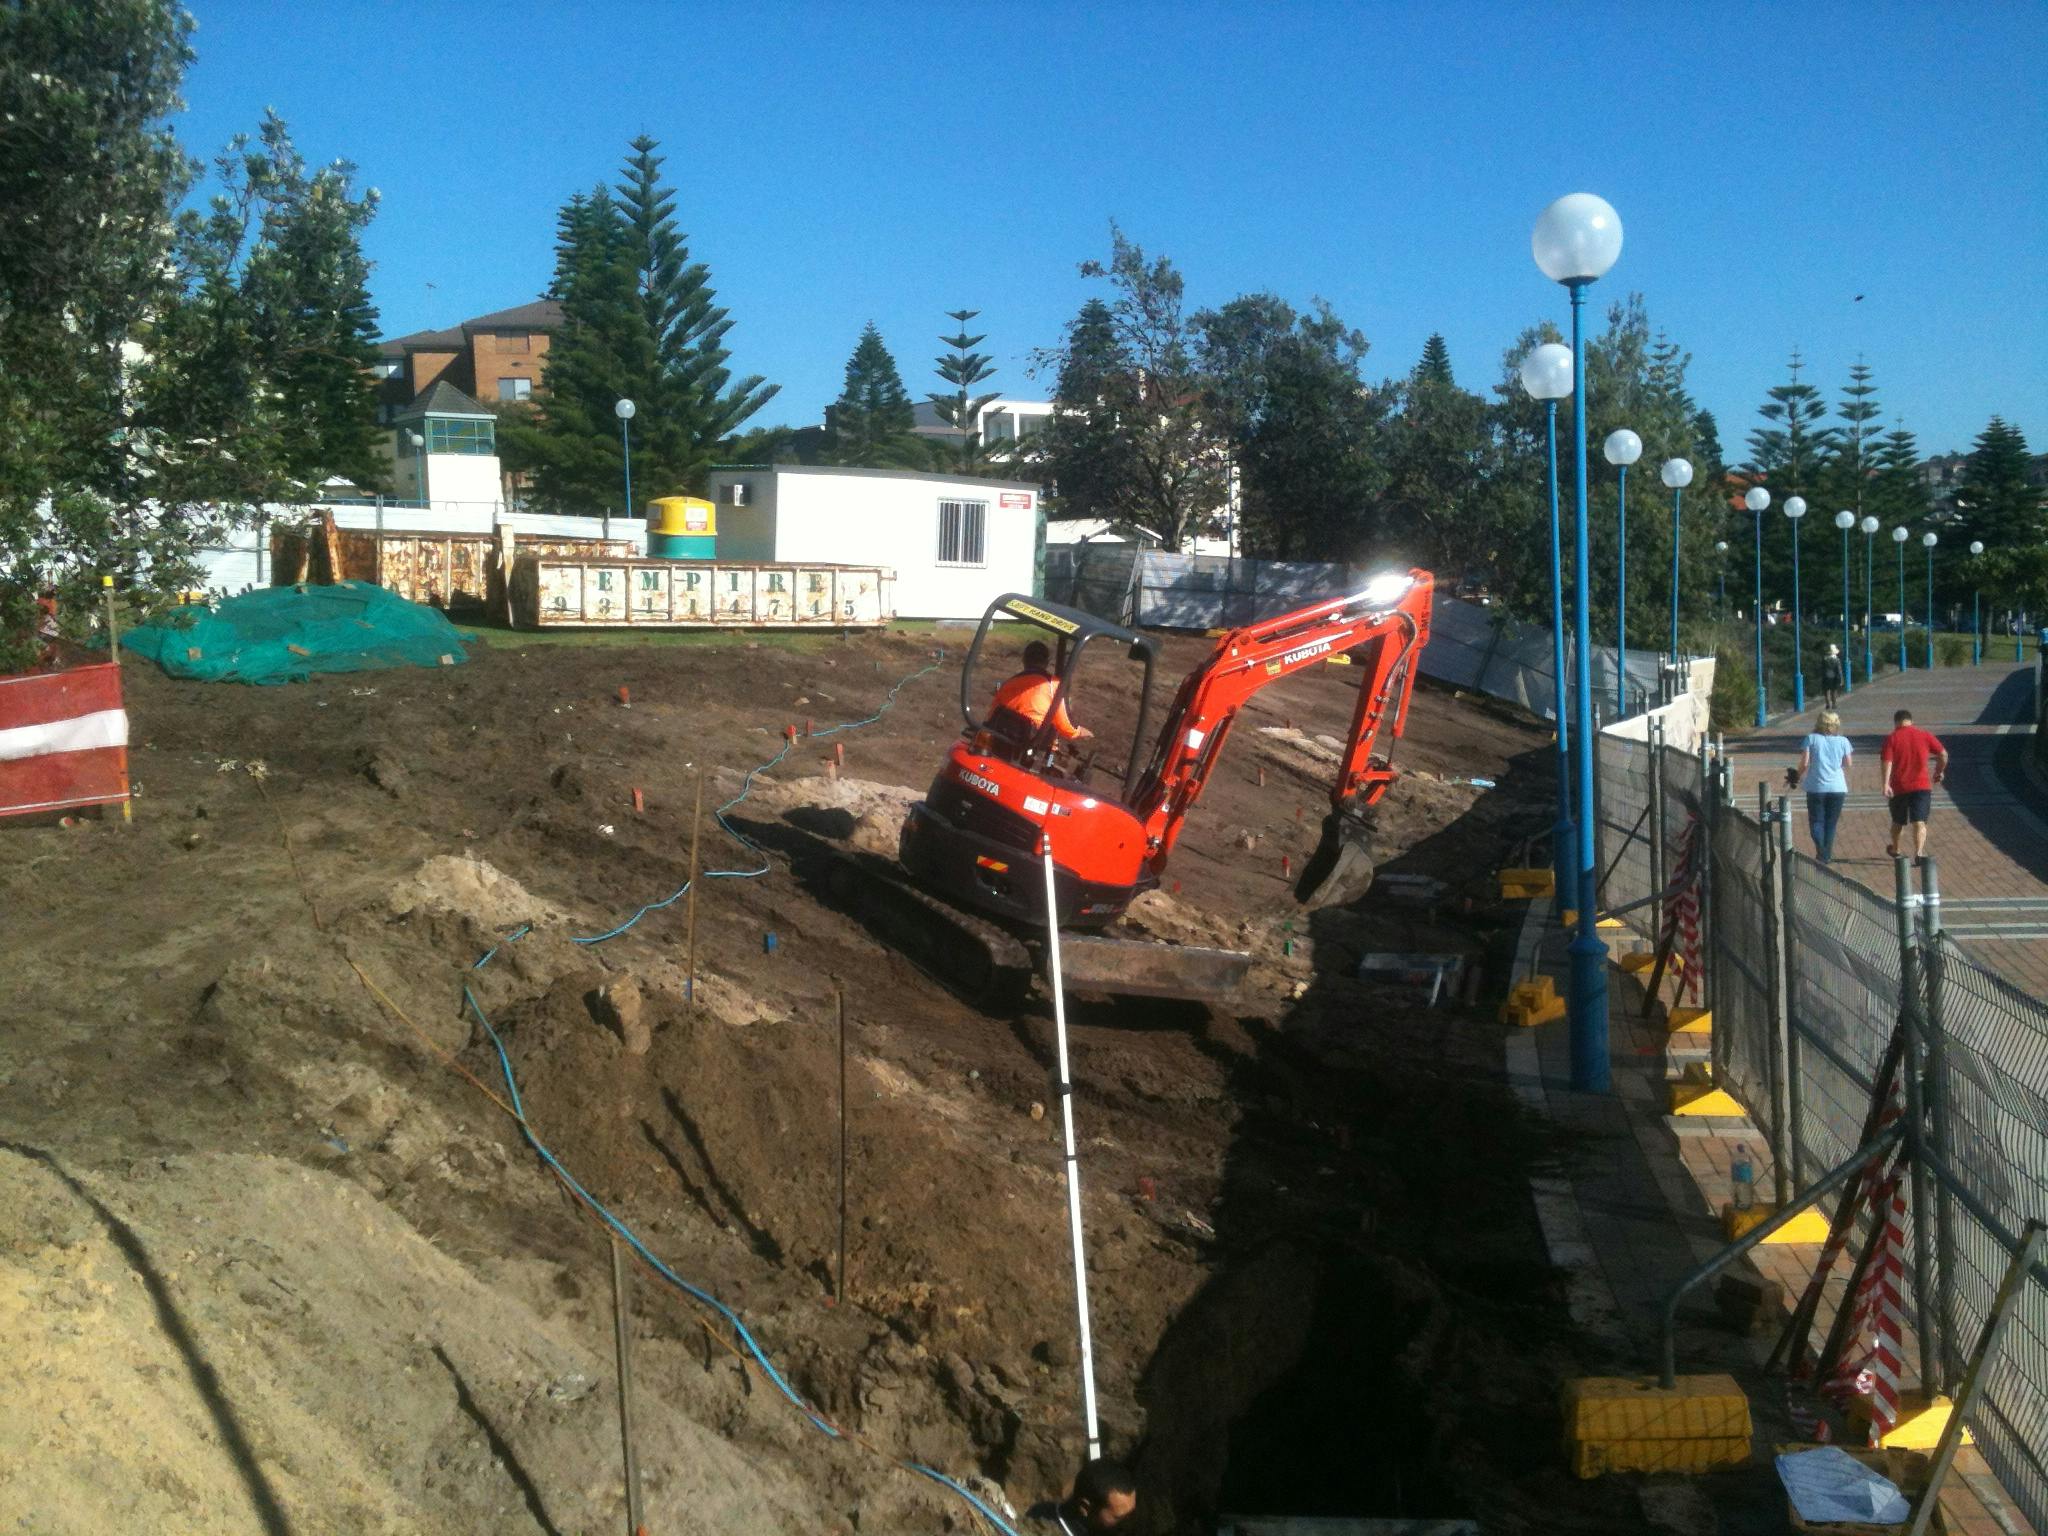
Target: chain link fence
x,y
1809,975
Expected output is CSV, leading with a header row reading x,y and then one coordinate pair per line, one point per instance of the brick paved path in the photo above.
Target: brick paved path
x,y
1988,833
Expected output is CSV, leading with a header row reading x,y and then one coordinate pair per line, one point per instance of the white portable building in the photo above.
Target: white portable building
x,y
956,543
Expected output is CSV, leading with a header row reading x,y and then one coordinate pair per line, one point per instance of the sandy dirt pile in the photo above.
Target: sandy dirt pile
x,y
272,1259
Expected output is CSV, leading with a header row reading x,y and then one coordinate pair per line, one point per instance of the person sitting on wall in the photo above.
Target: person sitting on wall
x,y
1023,701
1105,1496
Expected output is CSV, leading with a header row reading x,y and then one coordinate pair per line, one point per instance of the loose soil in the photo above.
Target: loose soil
x,y
271,1259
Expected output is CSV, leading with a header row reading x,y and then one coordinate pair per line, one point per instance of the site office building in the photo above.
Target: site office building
x,y
956,542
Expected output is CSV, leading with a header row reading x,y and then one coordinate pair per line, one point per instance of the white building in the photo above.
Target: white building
x,y
1001,423
956,543
443,450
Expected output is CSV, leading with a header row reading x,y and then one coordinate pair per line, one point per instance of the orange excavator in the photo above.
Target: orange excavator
x,y
1005,796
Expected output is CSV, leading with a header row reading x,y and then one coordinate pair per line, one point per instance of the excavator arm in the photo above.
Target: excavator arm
x,y
1386,625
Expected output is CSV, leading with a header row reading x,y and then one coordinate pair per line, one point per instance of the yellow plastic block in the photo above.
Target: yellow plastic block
x,y
1526,1017
1921,1421
1630,1424
1694,1093
1806,1227
1640,961
1691,1021
1526,884
1610,922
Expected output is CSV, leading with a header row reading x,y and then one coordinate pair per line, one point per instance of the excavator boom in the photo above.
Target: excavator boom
x,y
1384,625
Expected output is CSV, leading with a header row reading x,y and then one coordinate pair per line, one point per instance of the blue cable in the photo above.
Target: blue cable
x,y
612,1222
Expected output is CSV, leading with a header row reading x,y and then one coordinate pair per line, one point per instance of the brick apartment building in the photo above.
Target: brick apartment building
x,y
494,358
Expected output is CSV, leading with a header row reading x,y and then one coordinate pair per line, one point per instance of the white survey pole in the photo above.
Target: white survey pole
x,y
1066,1092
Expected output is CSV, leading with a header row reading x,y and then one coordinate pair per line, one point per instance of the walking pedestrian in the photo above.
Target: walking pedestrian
x,y
1915,761
1824,769
1831,677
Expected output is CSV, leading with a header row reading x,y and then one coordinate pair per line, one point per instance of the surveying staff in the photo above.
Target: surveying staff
x,y
1908,784
1824,766
1105,1496
1022,702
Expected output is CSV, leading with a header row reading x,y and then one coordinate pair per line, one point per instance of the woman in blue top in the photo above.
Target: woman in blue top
x,y
1824,766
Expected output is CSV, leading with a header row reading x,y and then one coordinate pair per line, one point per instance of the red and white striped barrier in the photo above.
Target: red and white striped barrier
x,y
1682,911
63,740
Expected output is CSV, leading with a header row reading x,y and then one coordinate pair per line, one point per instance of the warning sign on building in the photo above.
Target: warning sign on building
x,y
1017,499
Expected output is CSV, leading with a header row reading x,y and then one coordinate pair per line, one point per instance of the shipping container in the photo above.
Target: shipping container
x,y
549,591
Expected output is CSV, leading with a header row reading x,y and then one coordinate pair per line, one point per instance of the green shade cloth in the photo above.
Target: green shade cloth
x,y
286,634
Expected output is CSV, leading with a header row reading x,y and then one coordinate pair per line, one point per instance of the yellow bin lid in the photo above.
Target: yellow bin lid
x,y
684,514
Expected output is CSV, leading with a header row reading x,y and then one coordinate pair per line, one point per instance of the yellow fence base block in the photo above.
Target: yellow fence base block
x,y
1534,1001
1806,1227
1691,1021
1630,1424
1921,1421
1693,1093
1526,884
1610,923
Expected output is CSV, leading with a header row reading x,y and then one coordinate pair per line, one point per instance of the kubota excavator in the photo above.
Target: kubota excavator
x,y
1005,795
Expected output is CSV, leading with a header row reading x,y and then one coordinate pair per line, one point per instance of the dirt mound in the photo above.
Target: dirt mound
x,y
469,887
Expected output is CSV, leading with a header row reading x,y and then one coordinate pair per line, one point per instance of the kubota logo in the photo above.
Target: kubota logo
x,y
986,786
1307,651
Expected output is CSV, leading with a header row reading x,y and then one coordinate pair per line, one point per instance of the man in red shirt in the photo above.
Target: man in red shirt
x,y
1908,784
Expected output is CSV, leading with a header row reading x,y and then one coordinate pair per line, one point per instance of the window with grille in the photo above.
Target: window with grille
x,y
962,526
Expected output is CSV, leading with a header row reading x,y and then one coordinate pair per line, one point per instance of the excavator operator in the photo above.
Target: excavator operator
x,y
1021,703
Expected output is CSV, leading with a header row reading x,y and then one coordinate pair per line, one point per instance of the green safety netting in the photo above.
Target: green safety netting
x,y
286,634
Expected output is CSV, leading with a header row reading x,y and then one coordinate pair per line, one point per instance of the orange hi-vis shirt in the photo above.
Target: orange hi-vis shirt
x,y
1029,695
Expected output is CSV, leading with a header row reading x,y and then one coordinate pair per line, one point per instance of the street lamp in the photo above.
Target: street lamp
x,y
624,411
1576,239
419,465
1676,473
1795,508
1899,538
1976,606
1622,449
1845,521
1547,376
1756,500
1869,525
1927,542
1721,583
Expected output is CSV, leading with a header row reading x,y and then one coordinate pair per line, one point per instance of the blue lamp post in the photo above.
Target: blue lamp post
x,y
1676,473
1756,500
1795,509
1547,376
1721,588
1869,525
1927,542
624,411
1845,521
1622,449
1575,241
1976,606
1899,538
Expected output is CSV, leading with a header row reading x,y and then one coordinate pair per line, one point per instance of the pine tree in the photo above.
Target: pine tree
x,y
1435,367
963,368
870,425
1994,503
1788,453
640,322
1897,494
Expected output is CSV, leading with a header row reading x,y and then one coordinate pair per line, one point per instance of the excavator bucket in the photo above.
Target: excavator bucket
x,y
1340,871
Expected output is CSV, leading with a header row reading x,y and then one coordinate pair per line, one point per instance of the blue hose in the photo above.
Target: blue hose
x,y
626,1233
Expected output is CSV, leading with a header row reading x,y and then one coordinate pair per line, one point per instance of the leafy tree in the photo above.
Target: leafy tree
x,y
1168,471
1301,425
1437,460
1088,461
870,424
963,368
640,322
1994,502
89,171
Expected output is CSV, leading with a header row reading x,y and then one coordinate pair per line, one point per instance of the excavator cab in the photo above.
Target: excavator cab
x,y
1039,747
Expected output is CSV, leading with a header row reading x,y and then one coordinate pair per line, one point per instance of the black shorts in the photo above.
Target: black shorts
x,y
1910,805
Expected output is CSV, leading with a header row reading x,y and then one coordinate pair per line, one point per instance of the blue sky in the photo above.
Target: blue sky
x,y
846,162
